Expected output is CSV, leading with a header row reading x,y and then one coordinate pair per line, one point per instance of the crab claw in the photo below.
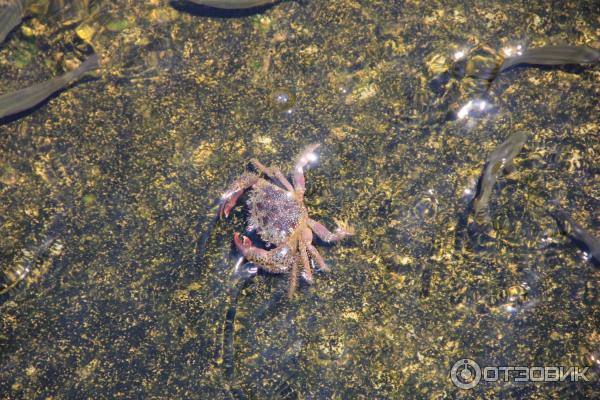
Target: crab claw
x,y
242,245
228,202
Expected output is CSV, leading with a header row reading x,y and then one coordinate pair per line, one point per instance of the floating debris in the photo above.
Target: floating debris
x,y
24,99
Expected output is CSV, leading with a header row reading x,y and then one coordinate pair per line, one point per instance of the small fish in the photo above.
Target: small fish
x,y
500,159
11,275
553,55
11,12
24,99
579,234
233,4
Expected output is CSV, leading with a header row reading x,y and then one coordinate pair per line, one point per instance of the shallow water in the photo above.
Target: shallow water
x,y
135,297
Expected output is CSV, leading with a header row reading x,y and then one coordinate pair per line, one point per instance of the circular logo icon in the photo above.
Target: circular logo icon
x,y
465,374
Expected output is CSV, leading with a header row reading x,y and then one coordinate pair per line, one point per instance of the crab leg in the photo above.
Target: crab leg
x,y
324,234
306,157
265,259
274,173
293,280
237,188
317,257
306,271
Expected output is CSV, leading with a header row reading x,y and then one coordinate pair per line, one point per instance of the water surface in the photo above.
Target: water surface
x,y
123,170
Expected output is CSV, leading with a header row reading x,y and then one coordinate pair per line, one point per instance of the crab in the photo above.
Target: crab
x,y
278,215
